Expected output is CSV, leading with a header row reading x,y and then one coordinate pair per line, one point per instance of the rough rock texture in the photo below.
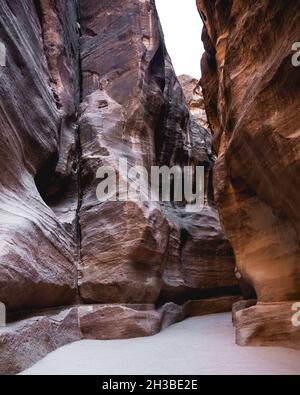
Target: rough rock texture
x,y
83,88
133,107
36,248
199,260
105,322
28,340
252,94
25,342
123,243
194,98
267,325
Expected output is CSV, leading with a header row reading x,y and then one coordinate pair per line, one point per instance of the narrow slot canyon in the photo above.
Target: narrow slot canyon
x,y
88,84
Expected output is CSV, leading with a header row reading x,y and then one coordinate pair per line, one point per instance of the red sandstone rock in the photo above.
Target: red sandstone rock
x,y
32,337
123,243
267,325
194,98
107,322
52,225
25,342
36,248
251,90
134,107
123,248
200,261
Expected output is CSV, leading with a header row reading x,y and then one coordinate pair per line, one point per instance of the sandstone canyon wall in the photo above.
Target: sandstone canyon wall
x,y
85,84
252,96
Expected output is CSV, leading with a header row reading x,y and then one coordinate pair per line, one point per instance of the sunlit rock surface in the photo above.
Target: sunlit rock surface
x,y
194,98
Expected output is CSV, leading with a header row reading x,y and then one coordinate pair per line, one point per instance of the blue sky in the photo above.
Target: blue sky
x,y
182,28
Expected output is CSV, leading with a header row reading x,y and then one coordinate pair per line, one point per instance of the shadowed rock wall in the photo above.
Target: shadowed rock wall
x,y
252,96
83,86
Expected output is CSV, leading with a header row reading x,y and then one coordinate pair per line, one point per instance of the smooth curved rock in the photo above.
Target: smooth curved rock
x,y
251,90
36,249
31,338
267,325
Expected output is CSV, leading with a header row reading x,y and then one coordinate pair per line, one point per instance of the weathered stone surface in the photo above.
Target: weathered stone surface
x,y
107,322
36,249
241,305
200,260
24,343
222,304
267,325
251,90
194,98
123,243
134,107
31,338
61,119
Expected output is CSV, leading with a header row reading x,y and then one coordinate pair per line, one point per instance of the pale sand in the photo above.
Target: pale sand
x,y
198,346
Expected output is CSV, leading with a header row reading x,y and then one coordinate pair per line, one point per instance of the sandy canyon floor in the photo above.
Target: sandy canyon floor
x,y
200,346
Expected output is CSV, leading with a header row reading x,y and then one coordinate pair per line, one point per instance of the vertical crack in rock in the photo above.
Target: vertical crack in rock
x,y
79,158
37,4
124,245
87,93
79,193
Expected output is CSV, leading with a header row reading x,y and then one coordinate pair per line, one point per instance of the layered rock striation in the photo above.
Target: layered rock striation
x,y
133,107
86,84
38,98
251,91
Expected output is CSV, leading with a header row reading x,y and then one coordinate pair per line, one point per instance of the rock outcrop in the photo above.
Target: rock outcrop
x,y
252,94
85,85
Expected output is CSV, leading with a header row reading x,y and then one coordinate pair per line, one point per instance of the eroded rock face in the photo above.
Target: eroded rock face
x,y
36,248
252,95
199,260
194,98
31,338
26,341
123,243
133,107
78,93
